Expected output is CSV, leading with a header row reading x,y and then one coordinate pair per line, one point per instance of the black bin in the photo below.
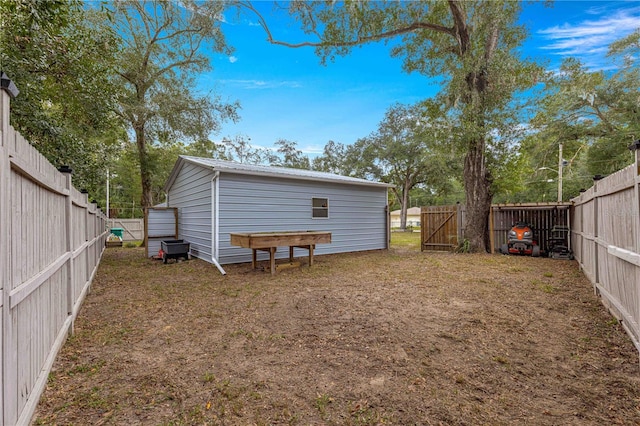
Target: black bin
x,y
174,249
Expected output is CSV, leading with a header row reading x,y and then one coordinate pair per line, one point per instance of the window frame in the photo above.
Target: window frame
x,y
323,207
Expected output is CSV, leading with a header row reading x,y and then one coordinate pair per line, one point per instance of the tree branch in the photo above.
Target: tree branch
x,y
349,43
492,43
459,30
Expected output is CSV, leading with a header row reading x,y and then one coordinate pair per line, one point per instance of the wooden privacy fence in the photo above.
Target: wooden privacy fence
x,y
51,241
606,243
133,229
443,226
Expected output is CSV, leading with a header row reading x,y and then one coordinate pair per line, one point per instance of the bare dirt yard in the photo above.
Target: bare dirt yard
x,y
392,337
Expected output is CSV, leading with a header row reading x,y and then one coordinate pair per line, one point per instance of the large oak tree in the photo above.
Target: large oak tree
x,y
404,151
163,51
471,45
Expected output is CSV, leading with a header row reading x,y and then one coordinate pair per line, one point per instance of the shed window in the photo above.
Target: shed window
x,y
319,208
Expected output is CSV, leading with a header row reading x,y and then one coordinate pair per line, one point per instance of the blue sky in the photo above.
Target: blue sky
x,y
286,94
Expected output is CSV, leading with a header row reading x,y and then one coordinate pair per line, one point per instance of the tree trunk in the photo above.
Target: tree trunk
x,y
403,211
477,185
146,200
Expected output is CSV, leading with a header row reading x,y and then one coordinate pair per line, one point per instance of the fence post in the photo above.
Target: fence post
x,y
492,241
583,240
85,236
5,259
8,378
596,231
68,210
635,147
460,212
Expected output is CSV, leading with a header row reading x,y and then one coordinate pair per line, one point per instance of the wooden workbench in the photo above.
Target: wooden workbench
x,y
270,241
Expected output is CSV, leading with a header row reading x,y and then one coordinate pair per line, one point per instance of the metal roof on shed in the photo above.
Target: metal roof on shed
x,y
272,171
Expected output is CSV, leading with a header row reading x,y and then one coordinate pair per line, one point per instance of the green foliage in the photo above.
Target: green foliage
x,y
449,190
205,148
411,150
112,87
162,54
332,159
406,151
61,55
464,246
511,184
469,46
292,157
322,402
628,49
239,149
125,187
593,113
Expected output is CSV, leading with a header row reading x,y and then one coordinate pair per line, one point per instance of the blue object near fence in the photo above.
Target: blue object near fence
x,y
118,232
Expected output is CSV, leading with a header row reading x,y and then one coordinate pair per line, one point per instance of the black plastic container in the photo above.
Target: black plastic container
x,y
174,249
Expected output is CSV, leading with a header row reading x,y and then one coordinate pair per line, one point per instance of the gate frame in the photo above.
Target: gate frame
x,y
162,236
455,212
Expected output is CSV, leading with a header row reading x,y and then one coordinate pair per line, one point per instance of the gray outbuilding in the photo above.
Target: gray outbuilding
x,y
215,198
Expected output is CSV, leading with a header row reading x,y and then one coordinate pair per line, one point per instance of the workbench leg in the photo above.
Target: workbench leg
x,y
253,259
290,253
272,259
310,255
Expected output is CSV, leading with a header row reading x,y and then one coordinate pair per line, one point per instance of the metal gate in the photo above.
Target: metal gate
x,y
440,227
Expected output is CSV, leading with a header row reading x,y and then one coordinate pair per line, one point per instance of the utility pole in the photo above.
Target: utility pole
x,y
107,193
560,167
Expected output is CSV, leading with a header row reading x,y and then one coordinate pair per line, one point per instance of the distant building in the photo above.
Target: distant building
x,y
413,218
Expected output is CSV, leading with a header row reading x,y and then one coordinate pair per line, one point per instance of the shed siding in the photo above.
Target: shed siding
x,y
191,194
161,225
357,216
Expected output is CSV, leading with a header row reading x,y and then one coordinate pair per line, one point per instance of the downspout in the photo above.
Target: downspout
x,y
215,222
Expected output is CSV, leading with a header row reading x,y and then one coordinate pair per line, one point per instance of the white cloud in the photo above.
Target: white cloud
x,y
233,59
262,84
312,150
590,39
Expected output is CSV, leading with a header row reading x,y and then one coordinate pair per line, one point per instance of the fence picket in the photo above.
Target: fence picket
x,y
5,255
607,233
46,267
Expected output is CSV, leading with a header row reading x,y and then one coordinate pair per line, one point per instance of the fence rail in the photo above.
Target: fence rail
x,y
51,241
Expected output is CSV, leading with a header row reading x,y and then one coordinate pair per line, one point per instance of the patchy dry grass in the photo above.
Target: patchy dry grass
x,y
398,337
406,240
